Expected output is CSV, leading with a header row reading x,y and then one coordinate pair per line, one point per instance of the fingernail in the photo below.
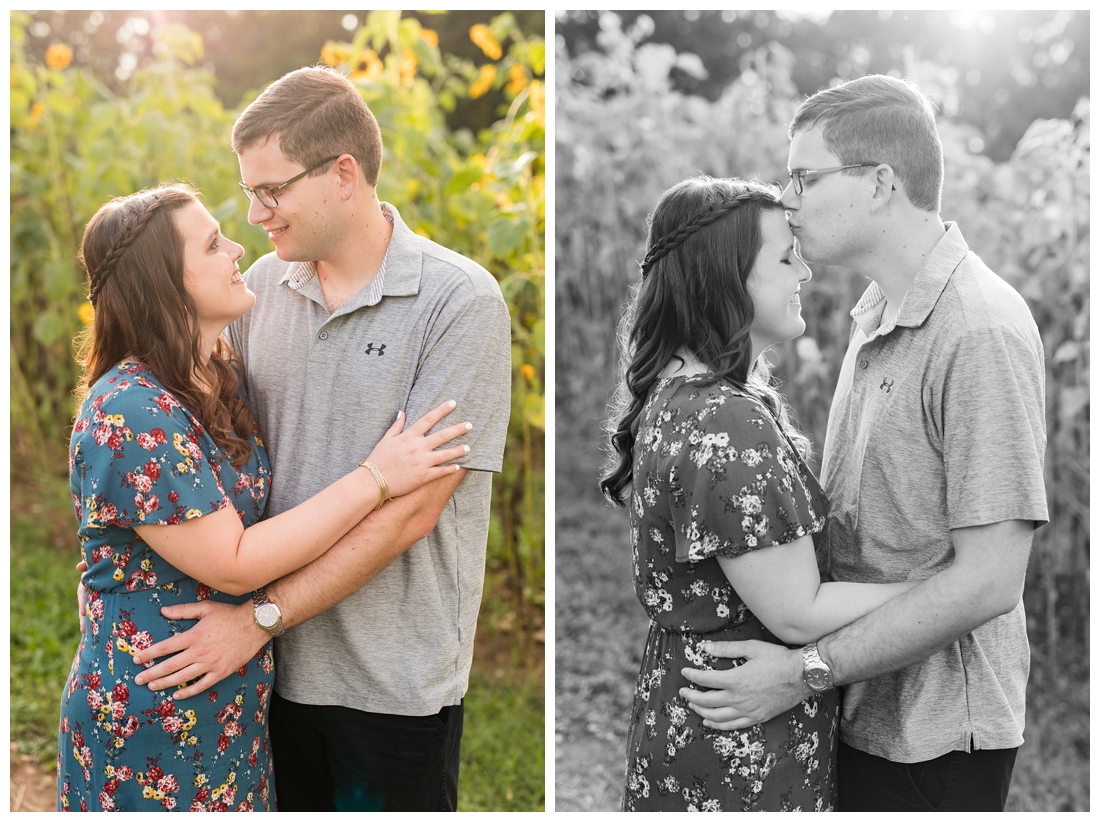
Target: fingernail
x,y
138,661
399,413
469,426
466,448
452,404
458,467
138,680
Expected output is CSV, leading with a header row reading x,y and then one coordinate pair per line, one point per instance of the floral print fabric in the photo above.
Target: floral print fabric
x,y
137,457
714,476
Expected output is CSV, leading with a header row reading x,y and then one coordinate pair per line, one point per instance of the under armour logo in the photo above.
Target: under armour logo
x,y
887,384
380,350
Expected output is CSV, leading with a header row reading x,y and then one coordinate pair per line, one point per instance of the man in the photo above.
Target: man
x,y
933,466
356,318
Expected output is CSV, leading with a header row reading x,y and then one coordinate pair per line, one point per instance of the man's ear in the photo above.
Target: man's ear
x,y
348,169
885,187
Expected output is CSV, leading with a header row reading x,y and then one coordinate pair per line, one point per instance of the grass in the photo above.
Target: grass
x,y
503,744
503,740
44,628
601,631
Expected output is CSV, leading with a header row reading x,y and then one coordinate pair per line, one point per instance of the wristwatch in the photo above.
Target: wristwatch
x,y
815,672
266,613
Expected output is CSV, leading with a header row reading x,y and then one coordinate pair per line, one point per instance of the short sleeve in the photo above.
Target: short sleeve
x,y
143,460
468,358
994,429
736,484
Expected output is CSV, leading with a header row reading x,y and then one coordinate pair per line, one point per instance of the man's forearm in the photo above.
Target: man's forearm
x,y
908,629
362,553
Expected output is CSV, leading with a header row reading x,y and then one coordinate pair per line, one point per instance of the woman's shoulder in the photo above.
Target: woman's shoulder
x,y
129,391
719,396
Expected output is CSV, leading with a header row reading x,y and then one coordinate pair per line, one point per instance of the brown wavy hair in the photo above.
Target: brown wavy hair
x,y
133,253
704,238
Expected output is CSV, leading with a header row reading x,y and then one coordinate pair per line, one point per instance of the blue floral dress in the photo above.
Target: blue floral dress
x,y
714,476
137,457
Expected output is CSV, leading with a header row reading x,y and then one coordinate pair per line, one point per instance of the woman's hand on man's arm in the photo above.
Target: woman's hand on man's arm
x,y
227,637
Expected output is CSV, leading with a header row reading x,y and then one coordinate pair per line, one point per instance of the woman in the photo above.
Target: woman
x,y
722,506
169,479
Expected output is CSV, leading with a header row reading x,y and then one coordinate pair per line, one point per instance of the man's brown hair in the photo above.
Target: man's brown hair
x,y
317,113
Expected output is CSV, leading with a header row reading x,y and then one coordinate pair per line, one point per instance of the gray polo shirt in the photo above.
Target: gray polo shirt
x,y
937,423
325,388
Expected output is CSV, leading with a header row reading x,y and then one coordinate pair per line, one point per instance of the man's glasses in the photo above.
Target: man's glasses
x,y
266,194
800,174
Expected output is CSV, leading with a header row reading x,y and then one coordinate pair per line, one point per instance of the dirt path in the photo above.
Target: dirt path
x,y
30,788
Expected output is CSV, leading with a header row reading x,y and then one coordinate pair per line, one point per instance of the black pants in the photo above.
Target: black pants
x,y
957,781
331,758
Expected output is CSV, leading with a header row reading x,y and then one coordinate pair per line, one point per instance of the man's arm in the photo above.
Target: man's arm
x,y
226,636
985,581
355,560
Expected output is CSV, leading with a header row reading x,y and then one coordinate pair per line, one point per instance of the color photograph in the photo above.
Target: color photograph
x,y
277,410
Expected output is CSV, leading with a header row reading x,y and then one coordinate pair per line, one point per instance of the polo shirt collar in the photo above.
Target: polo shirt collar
x,y
925,290
404,259
402,266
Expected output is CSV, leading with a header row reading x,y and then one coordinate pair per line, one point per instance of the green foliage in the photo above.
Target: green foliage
x,y
75,144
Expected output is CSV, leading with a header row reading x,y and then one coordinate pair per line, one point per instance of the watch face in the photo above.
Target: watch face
x,y
268,615
818,678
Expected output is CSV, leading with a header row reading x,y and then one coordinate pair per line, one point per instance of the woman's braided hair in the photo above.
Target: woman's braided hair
x,y
704,238
720,209
135,257
98,275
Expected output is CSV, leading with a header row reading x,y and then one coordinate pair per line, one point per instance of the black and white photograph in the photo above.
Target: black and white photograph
x,y
822,410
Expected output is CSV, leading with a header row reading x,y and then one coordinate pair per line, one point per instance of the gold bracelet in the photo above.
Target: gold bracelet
x,y
383,489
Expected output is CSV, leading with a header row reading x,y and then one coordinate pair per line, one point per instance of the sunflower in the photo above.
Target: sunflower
x,y
58,56
483,39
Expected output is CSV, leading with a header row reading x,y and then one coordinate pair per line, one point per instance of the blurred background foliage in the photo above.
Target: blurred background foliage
x,y
644,100
106,103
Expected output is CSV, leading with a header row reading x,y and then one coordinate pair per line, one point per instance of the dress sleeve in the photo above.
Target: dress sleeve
x,y
736,485
145,461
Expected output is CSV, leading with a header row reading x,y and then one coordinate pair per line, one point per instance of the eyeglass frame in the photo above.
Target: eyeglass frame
x,y
798,174
249,192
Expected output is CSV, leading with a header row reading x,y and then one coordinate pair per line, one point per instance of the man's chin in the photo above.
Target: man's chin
x,y
289,255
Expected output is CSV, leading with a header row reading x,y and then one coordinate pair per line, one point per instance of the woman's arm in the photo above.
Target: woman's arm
x,y
217,550
780,584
